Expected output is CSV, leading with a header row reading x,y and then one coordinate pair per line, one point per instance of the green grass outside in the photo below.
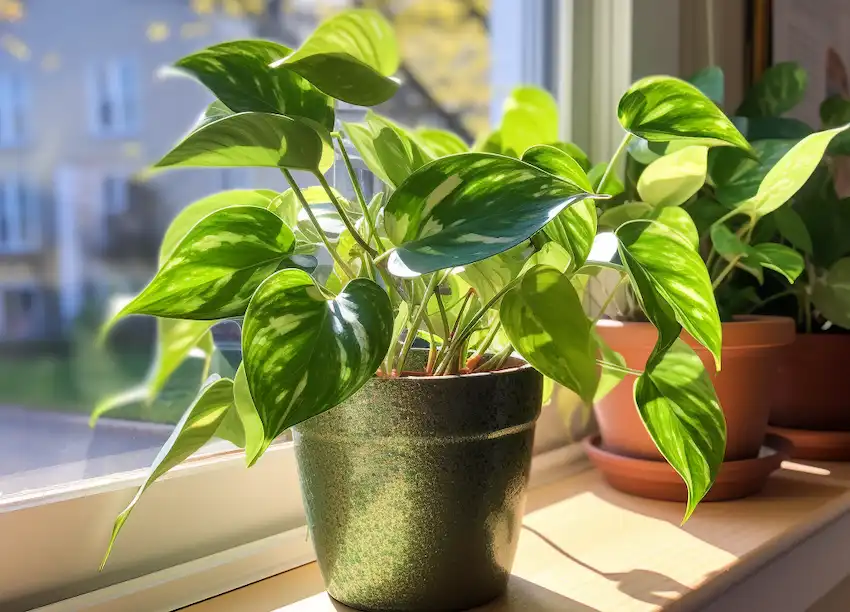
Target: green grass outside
x,y
74,383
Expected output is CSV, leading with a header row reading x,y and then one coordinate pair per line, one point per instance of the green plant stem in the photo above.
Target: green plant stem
x,y
391,352
608,301
775,296
488,340
617,368
414,322
725,271
367,266
458,340
444,317
344,216
496,361
611,164
352,175
336,257
444,356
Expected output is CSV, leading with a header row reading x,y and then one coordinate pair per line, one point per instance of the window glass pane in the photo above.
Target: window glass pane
x,y
97,114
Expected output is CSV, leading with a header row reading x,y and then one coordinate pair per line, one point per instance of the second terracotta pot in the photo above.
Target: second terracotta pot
x,y
812,389
750,366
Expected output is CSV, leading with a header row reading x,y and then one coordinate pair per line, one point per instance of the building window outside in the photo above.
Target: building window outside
x,y
114,98
13,105
21,313
20,218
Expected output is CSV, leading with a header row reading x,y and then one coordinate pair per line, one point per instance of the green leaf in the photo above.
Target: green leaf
x,y
671,216
213,112
662,108
779,258
767,128
575,152
835,112
560,164
613,185
608,378
389,151
238,74
732,248
679,407
250,139
197,210
789,174
242,425
439,143
489,276
780,89
550,254
463,208
711,83
736,176
217,266
195,428
491,142
664,265
545,321
350,57
791,227
530,117
304,353
672,180
831,293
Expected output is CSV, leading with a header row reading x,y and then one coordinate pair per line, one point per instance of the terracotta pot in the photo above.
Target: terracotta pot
x,y
812,390
744,386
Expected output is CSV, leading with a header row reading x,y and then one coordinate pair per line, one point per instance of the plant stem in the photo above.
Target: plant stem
x,y
623,144
775,296
607,301
341,211
473,361
496,361
414,322
444,317
445,352
359,192
617,368
725,271
336,257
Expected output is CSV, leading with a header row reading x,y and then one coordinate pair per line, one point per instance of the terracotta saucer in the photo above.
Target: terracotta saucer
x,y
817,445
657,480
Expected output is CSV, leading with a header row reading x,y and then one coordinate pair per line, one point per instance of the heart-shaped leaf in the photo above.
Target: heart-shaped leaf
x,y
216,267
609,377
530,117
831,294
251,139
197,210
463,208
789,174
779,258
304,353
790,225
545,321
732,248
194,429
242,425
576,152
575,227
439,143
737,176
489,276
660,108
550,254
613,185
663,261
781,88
679,407
350,57
671,216
215,111
387,149
711,83
238,73
672,180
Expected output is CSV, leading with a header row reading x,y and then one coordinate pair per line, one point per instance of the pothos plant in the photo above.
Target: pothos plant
x,y
479,252
734,204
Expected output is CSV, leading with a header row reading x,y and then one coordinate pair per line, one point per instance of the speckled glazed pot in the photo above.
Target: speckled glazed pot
x,y
414,488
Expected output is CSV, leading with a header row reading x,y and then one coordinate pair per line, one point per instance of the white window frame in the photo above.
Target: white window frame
x,y
14,101
21,209
115,82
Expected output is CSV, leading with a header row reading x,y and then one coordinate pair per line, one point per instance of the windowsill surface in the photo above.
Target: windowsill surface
x,y
586,547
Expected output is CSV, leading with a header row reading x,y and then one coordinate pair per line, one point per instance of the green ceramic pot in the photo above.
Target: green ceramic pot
x,y
414,488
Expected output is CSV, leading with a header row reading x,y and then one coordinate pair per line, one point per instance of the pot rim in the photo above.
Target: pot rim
x,y
524,366
745,332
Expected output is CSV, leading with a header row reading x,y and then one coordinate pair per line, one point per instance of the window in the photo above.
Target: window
x,y
13,105
20,218
115,196
114,98
21,313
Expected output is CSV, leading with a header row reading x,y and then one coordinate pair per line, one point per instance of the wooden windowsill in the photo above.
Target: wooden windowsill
x,y
586,548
